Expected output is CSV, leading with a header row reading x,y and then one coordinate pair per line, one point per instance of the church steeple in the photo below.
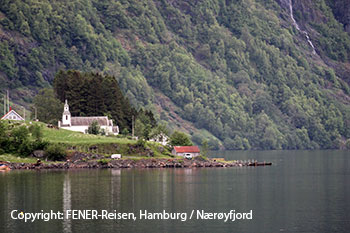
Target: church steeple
x,y
66,106
66,117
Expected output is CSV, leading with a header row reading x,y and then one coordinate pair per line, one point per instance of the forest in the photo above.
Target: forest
x,y
236,73
92,94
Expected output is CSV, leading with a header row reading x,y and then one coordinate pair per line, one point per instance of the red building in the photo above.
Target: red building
x,y
186,151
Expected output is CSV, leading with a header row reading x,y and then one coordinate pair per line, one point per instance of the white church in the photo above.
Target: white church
x,y
81,124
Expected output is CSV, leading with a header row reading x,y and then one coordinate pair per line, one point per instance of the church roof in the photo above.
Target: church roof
x,y
79,121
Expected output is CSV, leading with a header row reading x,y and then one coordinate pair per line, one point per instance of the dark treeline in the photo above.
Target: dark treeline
x,y
93,94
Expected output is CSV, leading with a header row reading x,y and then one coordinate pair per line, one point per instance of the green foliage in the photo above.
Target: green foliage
x,y
94,128
7,60
55,152
15,139
146,125
159,132
231,68
180,139
204,148
49,108
141,143
125,131
139,129
19,141
3,137
213,144
36,132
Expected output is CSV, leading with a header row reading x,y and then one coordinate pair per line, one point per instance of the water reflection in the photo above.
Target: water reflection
x,y
115,187
67,203
301,192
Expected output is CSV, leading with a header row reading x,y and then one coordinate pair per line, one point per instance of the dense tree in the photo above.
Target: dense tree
x,y
180,139
49,108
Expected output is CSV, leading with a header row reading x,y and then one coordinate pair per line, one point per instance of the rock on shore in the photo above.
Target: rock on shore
x,y
134,163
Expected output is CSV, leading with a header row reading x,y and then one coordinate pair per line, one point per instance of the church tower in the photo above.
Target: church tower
x,y
66,117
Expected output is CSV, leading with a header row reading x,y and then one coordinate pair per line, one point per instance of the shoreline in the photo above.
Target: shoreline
x,y
132,163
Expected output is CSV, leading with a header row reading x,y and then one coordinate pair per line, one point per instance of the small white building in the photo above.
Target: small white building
x,y
12,115
191,151
81,124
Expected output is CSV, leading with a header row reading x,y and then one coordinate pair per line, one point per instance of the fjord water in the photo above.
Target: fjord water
x,y
303,191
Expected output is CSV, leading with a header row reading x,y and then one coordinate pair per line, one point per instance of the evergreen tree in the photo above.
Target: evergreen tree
x,y
49,108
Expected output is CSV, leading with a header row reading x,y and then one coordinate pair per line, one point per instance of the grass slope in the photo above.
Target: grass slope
x,y
105,145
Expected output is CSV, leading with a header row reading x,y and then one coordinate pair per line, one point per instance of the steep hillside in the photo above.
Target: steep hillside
x,y
248,73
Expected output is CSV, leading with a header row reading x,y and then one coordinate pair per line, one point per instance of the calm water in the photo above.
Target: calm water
x,y
304,191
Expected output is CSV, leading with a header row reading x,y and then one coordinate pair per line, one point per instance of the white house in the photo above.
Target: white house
x,y
12,115
81,124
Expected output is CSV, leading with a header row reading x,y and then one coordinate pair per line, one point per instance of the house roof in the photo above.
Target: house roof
x,y
12,112
186,149
79,121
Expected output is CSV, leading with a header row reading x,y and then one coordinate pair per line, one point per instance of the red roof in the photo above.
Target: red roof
x,y
186,149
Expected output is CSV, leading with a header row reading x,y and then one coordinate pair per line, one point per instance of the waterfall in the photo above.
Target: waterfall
x,y
298,28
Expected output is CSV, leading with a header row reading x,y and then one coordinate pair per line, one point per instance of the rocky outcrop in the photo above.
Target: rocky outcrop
x,y
38,154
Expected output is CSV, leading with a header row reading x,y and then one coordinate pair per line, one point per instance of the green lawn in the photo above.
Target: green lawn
x,y
76,138
86,143
16,159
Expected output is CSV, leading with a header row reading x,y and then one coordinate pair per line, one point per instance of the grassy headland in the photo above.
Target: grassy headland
x,y
72,142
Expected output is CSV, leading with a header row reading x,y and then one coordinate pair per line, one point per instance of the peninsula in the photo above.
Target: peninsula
x,y
64,149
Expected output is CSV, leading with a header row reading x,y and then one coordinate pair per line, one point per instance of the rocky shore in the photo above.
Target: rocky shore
x,y
136,163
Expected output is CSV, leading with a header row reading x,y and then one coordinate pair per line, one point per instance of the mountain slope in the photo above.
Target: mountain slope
x,y
240,70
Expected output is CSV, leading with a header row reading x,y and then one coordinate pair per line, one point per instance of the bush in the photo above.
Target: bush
x,y
141,143
36,132
94,128
180,139
19,141
55,152
39,145
103,132
125,131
